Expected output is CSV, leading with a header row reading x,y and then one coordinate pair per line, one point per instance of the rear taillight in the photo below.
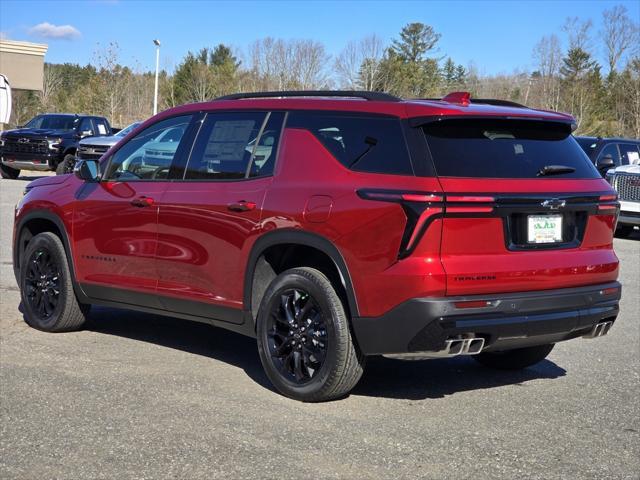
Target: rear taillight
x,y
608,204
422,208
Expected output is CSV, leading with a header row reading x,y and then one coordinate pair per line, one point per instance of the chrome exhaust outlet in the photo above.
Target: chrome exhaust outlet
x,y
452,348
599,330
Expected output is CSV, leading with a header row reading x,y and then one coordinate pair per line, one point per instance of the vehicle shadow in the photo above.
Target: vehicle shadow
x,y
192,337
438,378
383,377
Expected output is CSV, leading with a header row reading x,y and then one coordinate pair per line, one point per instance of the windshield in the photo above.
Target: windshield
x,y
53,122
125,131
587,144
497,148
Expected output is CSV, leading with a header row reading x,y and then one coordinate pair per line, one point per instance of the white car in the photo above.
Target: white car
x,y
626,180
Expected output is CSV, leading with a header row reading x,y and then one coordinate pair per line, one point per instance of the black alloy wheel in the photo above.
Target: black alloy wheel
x,y
304,337
42,283
297,335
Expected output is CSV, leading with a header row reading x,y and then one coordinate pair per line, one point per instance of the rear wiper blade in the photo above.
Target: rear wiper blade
x,y
554,170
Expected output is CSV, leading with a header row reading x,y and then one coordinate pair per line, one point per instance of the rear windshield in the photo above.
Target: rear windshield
x,y
505,149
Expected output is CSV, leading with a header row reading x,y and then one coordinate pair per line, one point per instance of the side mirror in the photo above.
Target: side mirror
x,y
605,163
86,133
87,170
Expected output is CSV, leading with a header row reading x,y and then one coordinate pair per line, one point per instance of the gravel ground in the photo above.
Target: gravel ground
x,y
142,396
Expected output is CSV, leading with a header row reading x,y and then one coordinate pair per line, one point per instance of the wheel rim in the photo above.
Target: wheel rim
x,y
42,284
297,336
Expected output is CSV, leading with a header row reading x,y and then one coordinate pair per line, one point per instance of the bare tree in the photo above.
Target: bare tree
x,y
358,65
578,33
52,81
548,58
619,34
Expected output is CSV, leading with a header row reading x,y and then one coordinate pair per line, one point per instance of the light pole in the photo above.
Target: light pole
x,y
155,93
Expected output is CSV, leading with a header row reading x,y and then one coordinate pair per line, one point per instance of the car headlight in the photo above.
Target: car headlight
x,y
54,142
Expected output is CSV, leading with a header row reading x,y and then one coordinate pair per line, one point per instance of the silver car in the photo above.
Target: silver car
x,y
93,148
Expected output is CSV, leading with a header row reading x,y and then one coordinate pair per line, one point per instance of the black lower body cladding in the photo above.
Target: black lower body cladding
x,y
512,320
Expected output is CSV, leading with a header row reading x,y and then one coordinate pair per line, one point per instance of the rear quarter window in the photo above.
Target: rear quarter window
x,y
361,143
500,148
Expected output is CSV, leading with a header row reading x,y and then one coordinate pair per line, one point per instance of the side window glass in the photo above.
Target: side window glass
x,y
361,143
265,148
629,154
102,127
148,155
611,149
86,127
224,146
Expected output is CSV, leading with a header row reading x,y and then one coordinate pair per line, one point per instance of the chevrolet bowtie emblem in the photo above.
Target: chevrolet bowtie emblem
x,y
554,203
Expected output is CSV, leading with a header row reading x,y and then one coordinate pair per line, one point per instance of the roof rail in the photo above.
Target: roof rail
x,y
499,103
372,96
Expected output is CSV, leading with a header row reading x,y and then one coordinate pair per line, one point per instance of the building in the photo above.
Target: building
x,y
22,63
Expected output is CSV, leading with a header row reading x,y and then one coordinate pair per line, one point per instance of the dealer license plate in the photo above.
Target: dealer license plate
x,y
544,228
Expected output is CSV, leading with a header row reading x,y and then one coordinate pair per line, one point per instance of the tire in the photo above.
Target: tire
x,y
623,231
8,172
516,359
304,340
66,165
45,267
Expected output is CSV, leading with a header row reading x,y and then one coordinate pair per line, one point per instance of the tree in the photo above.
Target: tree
x,y
619,34
582,87
406,69
416,40
548,58
578,33
358,65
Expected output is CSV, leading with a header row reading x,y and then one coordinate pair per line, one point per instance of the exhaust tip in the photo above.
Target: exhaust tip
x,y
599,330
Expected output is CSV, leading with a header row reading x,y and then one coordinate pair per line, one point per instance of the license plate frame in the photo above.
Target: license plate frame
x,y
544,229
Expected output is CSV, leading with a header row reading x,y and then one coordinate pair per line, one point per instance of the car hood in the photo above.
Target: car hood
x,y
51,180
36,132
101,141
634,169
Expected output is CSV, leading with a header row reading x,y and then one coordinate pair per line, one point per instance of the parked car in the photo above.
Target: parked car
x,y
47,142
606,153
94,147
626,180
371,225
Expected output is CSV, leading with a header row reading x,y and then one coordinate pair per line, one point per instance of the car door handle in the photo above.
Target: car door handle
x,y
241,206
142,202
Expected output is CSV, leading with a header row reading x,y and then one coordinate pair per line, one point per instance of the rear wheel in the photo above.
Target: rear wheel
x,y
8,172
66,165
516,359
623,231
48,298
304,340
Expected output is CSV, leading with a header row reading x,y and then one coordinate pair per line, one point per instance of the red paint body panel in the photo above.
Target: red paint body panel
x,y
187,244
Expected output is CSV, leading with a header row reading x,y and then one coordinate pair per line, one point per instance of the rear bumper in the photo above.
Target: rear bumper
x,y
509,320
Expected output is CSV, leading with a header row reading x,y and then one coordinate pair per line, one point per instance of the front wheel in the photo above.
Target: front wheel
x,y
304,340
66,165
8,172
515,359
46,288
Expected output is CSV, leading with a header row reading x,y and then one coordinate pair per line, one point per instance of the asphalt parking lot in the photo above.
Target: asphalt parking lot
x,y
141,396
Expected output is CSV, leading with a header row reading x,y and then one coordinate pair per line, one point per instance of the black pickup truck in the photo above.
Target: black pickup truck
x,y
47,142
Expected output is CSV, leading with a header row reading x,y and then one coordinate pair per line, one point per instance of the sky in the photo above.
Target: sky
x,y
497,36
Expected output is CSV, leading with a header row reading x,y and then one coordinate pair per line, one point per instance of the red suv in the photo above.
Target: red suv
x,y
332,226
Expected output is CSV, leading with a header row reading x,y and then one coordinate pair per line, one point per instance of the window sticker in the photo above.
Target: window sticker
x,y
102,129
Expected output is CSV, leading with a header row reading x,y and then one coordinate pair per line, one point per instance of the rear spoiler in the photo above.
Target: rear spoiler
x,y
420,121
